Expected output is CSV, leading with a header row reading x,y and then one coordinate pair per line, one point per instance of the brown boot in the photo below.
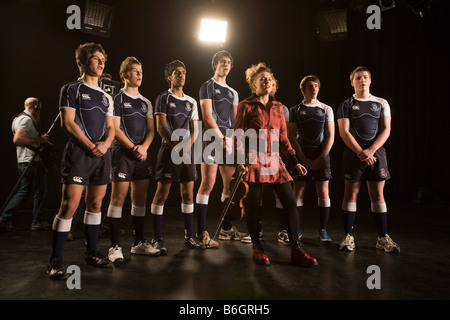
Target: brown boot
x,y
300,258
258,255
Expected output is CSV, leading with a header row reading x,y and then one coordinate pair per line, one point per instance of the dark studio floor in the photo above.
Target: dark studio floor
x,y
420,272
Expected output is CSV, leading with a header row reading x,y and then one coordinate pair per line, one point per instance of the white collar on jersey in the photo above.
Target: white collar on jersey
x,y
92,87
175,96
220,84
361,99
311,104
129,95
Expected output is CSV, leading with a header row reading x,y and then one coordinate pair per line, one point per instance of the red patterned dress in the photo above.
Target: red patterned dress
x,y
269,138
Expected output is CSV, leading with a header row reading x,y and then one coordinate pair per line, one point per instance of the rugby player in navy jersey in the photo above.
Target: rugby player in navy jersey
x,y
311,133
135,130
177,122
364,125
87,117
218,103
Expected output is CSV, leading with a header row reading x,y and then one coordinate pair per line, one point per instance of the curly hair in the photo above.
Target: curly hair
x,y
253,71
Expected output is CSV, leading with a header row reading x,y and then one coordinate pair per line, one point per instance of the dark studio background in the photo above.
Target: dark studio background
x,y
408,58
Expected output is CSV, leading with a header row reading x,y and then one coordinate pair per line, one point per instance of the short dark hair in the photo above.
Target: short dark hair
x,y
216,57
170,68
84,52
306,79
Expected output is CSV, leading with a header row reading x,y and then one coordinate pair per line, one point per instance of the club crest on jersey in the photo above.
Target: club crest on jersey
x,y
105,100
188,106
319,113
230,94
374,107
144,107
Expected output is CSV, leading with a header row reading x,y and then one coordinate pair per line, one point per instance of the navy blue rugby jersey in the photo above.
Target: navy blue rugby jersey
x,y
92,105
179,111
365,117
223,98
133,112
311,120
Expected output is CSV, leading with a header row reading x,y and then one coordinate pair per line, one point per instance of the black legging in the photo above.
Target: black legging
x,y
287,198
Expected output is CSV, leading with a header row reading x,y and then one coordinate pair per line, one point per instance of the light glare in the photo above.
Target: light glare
x,y
213,30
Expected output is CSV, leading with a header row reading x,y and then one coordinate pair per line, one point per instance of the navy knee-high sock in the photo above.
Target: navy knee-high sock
x,y
379,211
114,230
156,214
138,228
188,215
381,222
324,212
157,226
349,221
114,216
349,214
201,209
138,215
61,230
92,227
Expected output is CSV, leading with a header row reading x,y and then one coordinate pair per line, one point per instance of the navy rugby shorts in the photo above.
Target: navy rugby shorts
x,y
355,170
166,169
126,167
78,166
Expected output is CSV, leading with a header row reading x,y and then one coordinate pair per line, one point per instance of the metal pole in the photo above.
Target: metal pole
x,y
228,203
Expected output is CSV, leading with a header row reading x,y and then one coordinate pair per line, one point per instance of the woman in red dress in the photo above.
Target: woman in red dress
x,y
262,120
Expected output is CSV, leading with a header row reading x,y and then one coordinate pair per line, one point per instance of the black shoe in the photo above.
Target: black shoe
x,y
96,259
55,269
159,244
6,225
194,243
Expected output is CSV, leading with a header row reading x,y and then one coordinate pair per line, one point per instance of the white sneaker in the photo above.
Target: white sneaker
x,y
348,244
386,244
232,234
283,238
145,248
115,254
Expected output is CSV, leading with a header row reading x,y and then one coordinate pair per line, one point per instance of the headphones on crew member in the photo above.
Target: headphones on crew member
x,y
38,105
